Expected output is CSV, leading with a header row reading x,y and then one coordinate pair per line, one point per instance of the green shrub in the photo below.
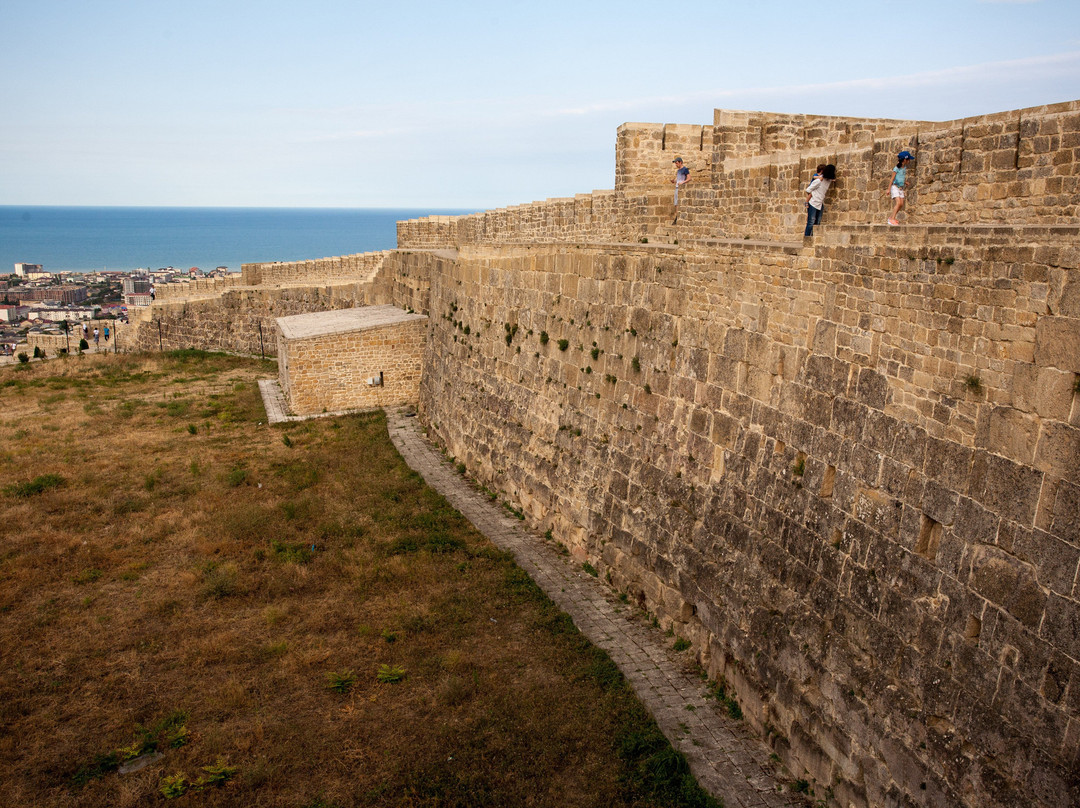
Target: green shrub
x,y
340,681
390,674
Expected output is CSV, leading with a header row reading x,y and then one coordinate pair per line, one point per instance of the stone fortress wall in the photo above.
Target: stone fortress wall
x,y
848,469
237,315
748,171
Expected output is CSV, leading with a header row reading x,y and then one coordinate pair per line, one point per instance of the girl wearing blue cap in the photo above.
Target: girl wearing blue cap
x,y
896,187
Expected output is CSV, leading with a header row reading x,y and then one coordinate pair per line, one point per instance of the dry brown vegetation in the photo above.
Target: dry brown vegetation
x,y
284,616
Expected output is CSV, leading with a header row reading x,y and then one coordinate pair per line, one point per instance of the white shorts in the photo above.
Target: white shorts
x,y
896,192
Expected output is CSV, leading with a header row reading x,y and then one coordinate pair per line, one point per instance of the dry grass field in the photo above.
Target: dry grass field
x,y
274,616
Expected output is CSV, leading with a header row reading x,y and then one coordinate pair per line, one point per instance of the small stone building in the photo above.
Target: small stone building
x,y
350,358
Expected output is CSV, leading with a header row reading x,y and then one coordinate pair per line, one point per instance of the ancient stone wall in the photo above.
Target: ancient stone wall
x,y
326,360
848,474
749,168
361,266
240,319
201,287
53,343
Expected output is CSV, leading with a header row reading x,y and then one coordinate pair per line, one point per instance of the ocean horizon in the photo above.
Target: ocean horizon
x,y
92,239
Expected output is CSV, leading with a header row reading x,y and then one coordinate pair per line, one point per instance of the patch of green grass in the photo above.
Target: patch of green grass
x,y
681,644
220,580
291,552
87,576
38,485
236,476
299,474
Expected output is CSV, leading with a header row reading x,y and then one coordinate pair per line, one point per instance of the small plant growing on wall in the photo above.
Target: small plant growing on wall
x,y
1076,384
544,337
564,344
973,384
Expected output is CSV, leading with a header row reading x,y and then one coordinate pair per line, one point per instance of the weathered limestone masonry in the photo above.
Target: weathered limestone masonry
x,y
748,169
782,453
238,315
327,361
849,471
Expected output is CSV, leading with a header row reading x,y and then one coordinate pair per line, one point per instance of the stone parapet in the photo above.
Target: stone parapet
x,y
359,267
748,171
199,288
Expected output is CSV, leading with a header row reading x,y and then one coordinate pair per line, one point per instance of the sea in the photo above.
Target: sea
x,y
92,239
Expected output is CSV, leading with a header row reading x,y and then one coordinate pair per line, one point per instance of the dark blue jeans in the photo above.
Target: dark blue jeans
x,y
813,216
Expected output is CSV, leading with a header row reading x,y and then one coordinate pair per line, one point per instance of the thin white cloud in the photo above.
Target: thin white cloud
x,y
1059,63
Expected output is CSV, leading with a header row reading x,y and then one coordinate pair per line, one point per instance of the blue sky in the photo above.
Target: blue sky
x,y
468,105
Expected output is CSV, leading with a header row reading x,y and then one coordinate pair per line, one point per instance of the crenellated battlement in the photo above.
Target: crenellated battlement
x,y
748,170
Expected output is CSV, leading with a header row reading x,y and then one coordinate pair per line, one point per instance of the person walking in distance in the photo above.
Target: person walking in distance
x,y
682,176
815,196
896,186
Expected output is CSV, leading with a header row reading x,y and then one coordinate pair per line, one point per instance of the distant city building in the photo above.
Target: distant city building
x,y
12,314
61,294
23,270
138,299
135,286
58,314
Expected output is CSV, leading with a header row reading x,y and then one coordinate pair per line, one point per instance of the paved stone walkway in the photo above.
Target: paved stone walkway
x,y
277,409
728,760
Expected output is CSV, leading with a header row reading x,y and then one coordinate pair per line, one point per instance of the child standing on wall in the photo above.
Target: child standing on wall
x,y
896,186
682,176
815,196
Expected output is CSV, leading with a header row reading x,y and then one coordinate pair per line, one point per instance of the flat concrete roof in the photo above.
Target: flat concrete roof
x,y
301,326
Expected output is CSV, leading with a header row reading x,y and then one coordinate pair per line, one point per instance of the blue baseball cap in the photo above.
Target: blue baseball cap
x,y
905,155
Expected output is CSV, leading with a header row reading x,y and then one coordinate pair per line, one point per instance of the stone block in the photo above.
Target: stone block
x,y
1057,343
1058,452
949,463
1013,434
1062,625
1006,487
